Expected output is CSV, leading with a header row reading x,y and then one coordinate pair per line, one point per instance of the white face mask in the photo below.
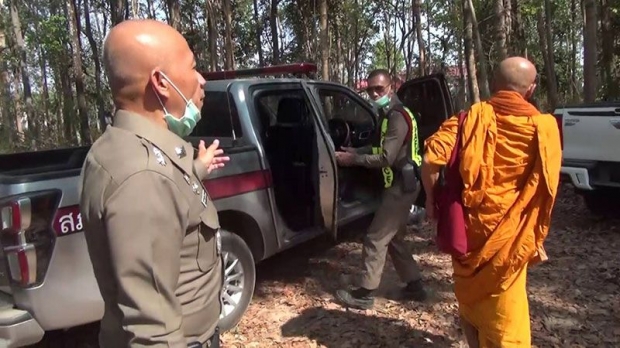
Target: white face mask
x,y
181,126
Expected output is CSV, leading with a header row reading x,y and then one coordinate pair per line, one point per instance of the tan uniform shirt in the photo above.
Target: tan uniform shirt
x,y
151,234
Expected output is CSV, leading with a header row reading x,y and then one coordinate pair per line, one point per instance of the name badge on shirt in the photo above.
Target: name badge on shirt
x,y
203,198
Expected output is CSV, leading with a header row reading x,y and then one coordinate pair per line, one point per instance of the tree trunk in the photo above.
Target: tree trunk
x,y
460,100
324,40
88,31
68,110
519,42
174,14
135,9
484,90
273,23
150,9
259,34
20,50
500,30
5,89
212,33
612,89
117,9
508,24
229,47
78,73
417,4
573,57
590,83
470,59
546,44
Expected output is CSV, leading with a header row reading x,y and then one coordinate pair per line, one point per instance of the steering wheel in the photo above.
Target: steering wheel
x,y
340,132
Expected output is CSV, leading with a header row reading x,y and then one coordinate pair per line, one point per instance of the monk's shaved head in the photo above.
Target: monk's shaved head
x,y
151,67
515,74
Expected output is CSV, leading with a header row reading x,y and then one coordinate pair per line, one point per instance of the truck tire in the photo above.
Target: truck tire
x,y
239,280
603,202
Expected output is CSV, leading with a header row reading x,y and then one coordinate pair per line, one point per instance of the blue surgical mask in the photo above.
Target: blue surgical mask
x,y
181,126
382,102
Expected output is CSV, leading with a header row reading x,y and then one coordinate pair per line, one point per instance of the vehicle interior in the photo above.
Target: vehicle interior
x,y
289,139
429,100
426,98
351,123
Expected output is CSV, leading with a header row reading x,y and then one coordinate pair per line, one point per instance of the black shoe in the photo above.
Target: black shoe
x,y
359,298
415,291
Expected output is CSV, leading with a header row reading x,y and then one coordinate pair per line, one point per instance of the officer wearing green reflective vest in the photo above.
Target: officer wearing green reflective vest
x,y
413,151
395,152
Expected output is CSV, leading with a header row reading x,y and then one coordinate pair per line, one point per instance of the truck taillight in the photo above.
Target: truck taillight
x,y
560,119
27,237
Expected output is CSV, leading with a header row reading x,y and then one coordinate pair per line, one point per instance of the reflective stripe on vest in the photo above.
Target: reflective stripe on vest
x,y
388,173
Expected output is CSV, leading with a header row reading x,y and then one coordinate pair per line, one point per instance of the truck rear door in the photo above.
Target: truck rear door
x,y
429,98
591,132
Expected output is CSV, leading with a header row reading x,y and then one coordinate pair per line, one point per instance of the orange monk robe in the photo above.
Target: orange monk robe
x,y
510,167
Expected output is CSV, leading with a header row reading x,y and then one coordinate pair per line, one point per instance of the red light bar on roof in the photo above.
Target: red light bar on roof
x,y
307,69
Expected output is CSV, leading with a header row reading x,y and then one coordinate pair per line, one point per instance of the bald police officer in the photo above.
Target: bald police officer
x,y
395,152
151,229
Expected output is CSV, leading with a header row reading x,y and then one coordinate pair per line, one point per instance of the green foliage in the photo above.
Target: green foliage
x,y
384,58
357,43
52,35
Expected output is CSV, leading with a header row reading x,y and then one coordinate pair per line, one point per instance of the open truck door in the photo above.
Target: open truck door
x,y
327,171
429,98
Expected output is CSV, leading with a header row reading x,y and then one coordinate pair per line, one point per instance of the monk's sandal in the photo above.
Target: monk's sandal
x,y
354,300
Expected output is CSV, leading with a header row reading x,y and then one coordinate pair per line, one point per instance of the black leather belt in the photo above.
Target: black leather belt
x,y
212,342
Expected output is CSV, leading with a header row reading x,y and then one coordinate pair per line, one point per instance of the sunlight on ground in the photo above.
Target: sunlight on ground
x,y
572,297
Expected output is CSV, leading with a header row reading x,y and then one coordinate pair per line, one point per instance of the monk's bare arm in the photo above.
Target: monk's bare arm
x,y
430,175
438,149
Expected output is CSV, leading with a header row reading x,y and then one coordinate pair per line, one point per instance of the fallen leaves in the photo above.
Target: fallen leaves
x,y
574,297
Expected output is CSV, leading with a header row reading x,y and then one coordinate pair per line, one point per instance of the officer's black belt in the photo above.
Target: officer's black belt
x,y
212,342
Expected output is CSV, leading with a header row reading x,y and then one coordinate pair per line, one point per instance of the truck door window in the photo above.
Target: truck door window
x,y
338,104
268,107
342,111
218,117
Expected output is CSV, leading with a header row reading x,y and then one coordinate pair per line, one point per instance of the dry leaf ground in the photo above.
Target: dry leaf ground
x,y
574,298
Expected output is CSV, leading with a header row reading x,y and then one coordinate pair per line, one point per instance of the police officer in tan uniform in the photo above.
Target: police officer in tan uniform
x,y
395,153
151,229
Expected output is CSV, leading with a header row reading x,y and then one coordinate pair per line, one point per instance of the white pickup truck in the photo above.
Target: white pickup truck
x,y
591,153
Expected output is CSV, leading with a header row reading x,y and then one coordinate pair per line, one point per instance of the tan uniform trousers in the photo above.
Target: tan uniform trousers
x,y
386,235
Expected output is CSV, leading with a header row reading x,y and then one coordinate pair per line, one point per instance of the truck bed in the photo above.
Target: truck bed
x,y
27,167
591,132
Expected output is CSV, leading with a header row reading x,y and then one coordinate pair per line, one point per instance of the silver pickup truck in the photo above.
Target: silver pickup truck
x,y
282,187
591,153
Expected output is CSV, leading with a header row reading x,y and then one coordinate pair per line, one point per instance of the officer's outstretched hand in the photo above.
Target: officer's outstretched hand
x,y
211,156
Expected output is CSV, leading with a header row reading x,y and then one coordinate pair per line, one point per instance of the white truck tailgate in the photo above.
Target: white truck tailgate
x,y
592,133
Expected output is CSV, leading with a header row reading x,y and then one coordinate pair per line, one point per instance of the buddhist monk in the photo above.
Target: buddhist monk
x,y
510,165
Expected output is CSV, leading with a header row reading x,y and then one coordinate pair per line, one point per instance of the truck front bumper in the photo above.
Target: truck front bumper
x,y
17,327
578,176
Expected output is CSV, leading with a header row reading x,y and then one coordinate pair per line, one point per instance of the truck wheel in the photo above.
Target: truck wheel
x,y
602,202
239,279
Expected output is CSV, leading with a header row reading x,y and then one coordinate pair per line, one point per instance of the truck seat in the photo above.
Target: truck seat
x,y
290,139
290,146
